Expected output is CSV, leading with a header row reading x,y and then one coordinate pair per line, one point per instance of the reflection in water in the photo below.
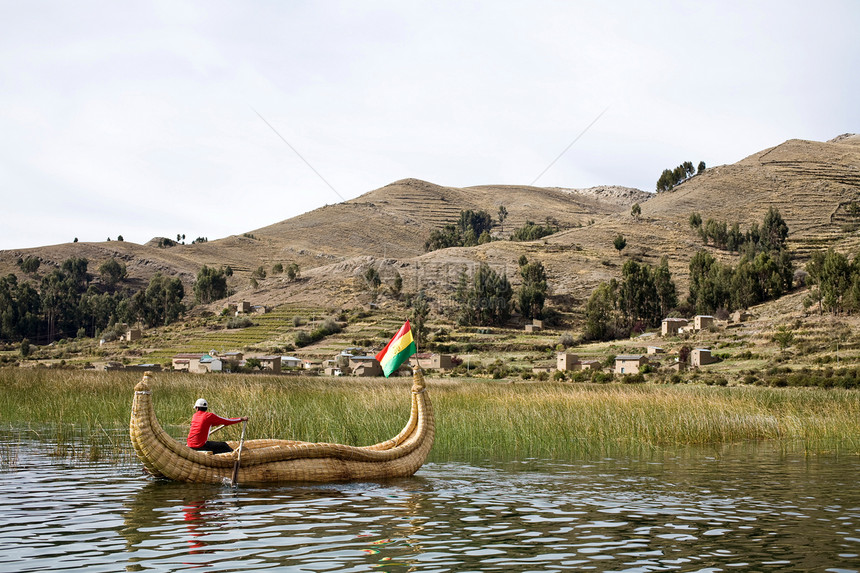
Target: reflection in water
x,y
733,509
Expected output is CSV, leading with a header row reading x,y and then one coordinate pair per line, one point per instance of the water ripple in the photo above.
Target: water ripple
x,y
763,512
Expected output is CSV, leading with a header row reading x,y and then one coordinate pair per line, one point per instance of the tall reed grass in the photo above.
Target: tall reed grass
x,y
86,412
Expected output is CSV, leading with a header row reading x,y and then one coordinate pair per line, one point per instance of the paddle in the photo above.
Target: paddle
x,y
235,479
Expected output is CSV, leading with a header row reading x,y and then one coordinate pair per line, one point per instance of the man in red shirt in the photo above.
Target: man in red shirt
x,y
201,425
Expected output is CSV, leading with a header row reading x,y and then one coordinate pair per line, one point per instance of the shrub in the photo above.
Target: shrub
x,y
239,322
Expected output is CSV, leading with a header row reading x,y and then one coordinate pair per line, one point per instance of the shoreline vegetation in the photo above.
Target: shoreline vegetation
x,y
85,415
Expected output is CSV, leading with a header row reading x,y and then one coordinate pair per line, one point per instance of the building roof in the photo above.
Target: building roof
x,y
673,319
629,357
189,356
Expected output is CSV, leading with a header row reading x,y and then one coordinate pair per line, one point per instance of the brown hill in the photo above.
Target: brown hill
x,y
811,183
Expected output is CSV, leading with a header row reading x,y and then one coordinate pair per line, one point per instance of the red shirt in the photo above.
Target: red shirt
x,y
201,423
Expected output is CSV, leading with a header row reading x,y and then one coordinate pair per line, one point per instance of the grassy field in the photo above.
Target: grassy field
x,y
85,413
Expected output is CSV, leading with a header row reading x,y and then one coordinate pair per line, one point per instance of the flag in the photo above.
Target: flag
x,y
398,349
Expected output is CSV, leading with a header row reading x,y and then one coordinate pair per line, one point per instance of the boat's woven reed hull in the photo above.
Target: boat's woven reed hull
x,y
283,460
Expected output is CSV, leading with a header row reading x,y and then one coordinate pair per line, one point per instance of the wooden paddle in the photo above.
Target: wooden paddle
x,y
235,480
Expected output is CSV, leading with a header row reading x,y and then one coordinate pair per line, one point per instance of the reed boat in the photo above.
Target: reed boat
x,y
282,460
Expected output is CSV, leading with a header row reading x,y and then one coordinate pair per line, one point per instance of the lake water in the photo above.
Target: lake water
x,y
747,508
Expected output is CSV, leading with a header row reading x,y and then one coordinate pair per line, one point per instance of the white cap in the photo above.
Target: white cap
x,y
201,403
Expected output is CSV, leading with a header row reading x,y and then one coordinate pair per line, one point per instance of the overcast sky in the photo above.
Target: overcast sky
x,y
157,118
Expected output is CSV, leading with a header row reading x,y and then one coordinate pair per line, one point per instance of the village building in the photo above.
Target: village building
x,y
432,361
589,365
211,363
629,363
231,360
673,326
271,363
196,363
243,307
701,356
565,361
332,368
291,362
741,316
702,321
131,335
533,328
656,350
365,366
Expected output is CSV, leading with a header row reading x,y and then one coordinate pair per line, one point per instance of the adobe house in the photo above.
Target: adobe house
x,y
231,360
188,362
365,366
702,321
656,350
243,307
701,356
533,328
565,361
741,316
432,361
291,362
271,363
589,365
131,334
629,363
673,326
210,363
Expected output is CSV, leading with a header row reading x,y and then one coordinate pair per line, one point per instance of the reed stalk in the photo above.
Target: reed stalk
x,y
86,413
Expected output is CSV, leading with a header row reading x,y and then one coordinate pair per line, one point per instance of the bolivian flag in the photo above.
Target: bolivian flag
x,y
398,349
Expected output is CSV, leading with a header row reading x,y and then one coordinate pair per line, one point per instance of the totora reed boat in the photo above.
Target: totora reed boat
x,y
282,460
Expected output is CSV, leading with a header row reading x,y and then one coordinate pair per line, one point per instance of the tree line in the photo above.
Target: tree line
x,y
473,228
834,282
640,300
66,302
671,177
764,272
771,236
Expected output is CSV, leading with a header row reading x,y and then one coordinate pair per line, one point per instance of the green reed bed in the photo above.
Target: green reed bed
x,y
85,412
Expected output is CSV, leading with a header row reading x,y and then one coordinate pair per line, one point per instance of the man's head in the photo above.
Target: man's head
x,y
201,404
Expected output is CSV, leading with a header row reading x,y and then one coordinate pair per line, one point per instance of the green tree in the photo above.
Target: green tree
x,y
667,294
397,287
636,210
372,281
20,308
532,232
532,292
112,271
418,317
292,271
210,285
637,295
503,214
486,300
161,302
601,317
619,242
701,168
695,220
29,265
783,336
774,230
